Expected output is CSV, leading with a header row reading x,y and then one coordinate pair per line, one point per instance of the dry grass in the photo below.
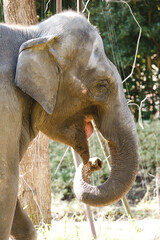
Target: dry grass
x,y
73,227
148,229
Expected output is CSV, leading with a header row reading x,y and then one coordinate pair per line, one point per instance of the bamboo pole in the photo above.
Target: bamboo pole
x,y
87,208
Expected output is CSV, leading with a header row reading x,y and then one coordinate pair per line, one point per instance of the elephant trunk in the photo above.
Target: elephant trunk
x,y
122,139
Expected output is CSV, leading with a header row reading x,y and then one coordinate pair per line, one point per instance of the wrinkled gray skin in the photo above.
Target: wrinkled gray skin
x,y
55,77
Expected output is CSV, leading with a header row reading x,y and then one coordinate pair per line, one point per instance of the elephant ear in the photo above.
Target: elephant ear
x,y
38,71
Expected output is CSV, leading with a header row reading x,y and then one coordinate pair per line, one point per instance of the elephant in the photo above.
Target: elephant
x,y
56,78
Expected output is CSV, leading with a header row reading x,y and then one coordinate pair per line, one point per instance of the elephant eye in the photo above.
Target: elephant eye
x,y
101,87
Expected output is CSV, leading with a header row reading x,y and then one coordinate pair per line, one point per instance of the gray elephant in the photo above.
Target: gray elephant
x,y
55,78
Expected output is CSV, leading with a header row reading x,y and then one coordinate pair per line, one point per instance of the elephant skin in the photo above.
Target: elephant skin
x,y
55,78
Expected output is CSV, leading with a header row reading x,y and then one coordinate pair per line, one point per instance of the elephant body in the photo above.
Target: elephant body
x,y
56,78
15,132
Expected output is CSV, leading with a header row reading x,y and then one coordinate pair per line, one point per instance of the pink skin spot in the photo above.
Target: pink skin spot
x,y
84,91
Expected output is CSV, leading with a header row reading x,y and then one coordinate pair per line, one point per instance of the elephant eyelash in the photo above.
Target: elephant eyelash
x,y
59,70
101,87
103,84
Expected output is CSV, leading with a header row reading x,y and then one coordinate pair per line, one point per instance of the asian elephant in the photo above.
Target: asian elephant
x,y
55,78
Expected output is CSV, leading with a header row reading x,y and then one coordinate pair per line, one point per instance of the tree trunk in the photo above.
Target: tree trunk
x,y
20,12
35,178
58,6
35,181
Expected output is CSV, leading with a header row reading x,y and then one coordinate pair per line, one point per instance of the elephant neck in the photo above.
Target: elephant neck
x,y
37,116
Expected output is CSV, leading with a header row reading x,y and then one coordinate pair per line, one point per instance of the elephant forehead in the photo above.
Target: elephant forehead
x,y
99,63
97,55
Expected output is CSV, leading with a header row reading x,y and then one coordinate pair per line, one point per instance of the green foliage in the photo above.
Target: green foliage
x,y
62,181
120,33
149,146
1,11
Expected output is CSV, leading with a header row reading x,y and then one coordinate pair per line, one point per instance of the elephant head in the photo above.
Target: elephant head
x,y
65,70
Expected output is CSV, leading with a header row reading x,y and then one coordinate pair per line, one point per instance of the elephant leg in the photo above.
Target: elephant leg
x,y
9,171
10,133
22,227
8,196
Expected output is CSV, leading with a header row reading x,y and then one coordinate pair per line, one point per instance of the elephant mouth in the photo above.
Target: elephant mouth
x,y
88,127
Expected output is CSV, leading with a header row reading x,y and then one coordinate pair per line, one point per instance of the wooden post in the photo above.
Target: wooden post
x,y
158,188
58,6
